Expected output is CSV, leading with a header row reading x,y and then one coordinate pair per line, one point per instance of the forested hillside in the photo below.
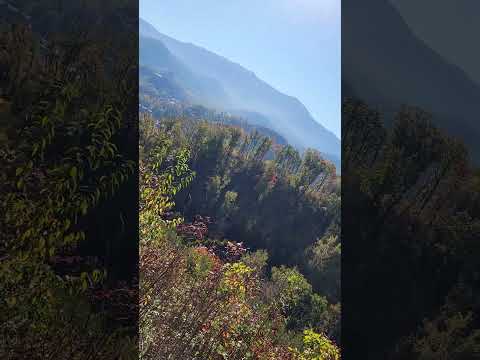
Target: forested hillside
x,y
161,98
411,223
231,243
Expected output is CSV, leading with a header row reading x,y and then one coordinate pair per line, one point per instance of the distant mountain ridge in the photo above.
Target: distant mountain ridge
x,y
386,65
214,81
452,42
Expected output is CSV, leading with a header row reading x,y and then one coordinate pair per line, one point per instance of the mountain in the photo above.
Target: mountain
x,y
213,81
11,14
386,65
154,55
452,42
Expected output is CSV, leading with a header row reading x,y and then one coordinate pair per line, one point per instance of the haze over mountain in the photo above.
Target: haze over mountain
x,y
455,42
208,79
385,64
294,46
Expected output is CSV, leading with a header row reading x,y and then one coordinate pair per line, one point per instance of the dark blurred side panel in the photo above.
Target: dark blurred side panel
x,y
68,179
410,182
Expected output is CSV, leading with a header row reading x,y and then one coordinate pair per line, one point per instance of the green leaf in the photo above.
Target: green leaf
x,y
73,172
84,284
96,276
11,301
84,207
84,280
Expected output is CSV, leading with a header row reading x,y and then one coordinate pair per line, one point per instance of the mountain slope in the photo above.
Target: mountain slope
x,y
239,91
386,65
453,42
197,88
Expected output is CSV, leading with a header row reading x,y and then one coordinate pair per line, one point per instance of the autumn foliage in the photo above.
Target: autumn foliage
x,y
200,299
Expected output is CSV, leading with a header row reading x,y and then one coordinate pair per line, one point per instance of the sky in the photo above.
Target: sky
x,y
293,45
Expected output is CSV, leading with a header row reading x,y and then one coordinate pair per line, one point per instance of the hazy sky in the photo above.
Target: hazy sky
x,y
294,45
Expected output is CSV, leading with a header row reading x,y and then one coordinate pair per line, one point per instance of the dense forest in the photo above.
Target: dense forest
x,y
411,219
411,222
229,242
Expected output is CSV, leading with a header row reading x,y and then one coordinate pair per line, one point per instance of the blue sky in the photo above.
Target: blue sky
x,y
294,45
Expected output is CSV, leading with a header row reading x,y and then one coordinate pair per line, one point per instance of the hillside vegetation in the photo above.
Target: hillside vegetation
x,y
217,227
411,223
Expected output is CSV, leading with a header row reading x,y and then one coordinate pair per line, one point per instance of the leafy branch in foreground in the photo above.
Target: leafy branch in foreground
x,y
60,162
